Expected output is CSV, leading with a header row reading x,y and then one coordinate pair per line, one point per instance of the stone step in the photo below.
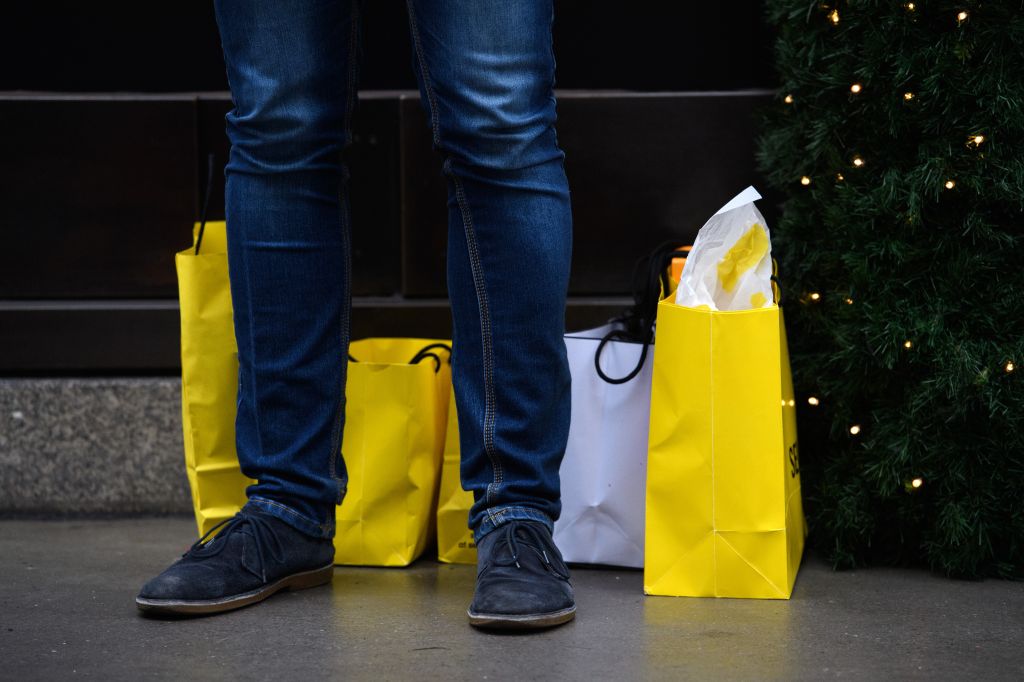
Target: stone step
x,y
97,446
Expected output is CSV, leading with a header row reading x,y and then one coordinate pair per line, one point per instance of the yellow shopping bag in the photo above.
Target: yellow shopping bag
x,y
455,543
396,416
724,515
395,422
209,379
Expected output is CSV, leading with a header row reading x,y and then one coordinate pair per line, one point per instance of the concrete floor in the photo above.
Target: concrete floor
x,y
67,611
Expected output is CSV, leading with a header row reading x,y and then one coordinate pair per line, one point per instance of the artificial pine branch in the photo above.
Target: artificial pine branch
x,y
917,256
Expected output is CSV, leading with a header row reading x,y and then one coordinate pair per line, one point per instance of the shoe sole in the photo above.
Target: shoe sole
x,y
532,621
202,607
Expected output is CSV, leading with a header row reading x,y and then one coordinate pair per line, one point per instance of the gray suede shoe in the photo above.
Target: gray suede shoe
x,y
522,582
252,556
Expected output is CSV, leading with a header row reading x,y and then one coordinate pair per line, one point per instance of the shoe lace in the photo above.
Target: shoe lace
x,y
263,534
530,537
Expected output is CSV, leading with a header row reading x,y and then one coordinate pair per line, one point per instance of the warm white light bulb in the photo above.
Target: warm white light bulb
x,y
788,99
908,95
908,344
858,162
1009,367
805,181
917,482
950,184
813,401
815,296
849,301
961,17
911,6
834,16
854,430
856,87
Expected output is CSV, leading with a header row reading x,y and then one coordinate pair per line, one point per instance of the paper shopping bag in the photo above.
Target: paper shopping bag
x,y
209,379
604,470
395,422
397,402
724,515
455,543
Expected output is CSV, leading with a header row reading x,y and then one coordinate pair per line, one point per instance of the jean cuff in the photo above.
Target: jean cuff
x,y
301,523
497,516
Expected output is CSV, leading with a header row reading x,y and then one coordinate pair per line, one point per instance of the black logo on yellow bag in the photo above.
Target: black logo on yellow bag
x,y
794,461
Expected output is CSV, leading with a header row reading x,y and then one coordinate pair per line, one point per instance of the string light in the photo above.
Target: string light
x,y
913,484
908,344
950,184
834,16
788,99
961,17
849,301
910,6
908,95
858,161
815,296
855,429
1009,367
975,140
839,177
805,181
856,87
813,401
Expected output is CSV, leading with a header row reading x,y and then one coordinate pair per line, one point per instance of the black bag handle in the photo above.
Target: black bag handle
x,y
612,335
423,353
776,285
650,278
206,202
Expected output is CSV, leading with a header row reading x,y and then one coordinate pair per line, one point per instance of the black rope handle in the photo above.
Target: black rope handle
x,y
777,289
618,333
425,353
650,278
206,202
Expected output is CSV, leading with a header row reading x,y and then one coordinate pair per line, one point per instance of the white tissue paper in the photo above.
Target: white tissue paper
x,y
730,265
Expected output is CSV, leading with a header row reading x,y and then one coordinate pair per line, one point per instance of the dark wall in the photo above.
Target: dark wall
x,y
98,190
174,47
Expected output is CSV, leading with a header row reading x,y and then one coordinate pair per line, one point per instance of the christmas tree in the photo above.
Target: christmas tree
x,y
898,141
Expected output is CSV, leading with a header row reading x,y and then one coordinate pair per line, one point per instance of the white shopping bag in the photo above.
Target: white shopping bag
x,y
604,471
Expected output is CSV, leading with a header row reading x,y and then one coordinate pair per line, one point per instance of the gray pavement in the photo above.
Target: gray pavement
x,y
67,612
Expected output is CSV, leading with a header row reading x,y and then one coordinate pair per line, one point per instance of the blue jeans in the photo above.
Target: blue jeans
x,y
486,75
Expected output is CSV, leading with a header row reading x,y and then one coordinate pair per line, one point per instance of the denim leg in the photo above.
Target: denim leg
x,y
292,68
486,74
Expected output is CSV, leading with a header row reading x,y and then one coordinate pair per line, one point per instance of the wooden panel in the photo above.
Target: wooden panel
x,y
99,193
141,337
72,337
642,169
118,47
